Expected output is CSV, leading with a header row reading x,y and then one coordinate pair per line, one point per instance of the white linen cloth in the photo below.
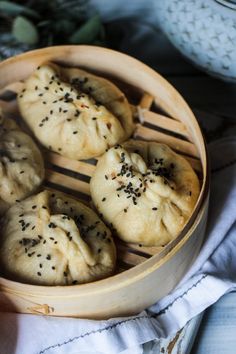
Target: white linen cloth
x,y
212,275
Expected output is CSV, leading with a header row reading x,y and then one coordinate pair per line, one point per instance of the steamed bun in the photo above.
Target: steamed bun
x,y
75,113
52,239
21,164
145,190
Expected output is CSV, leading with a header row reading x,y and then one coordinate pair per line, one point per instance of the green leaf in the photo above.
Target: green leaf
x,y
64,27
102,33
99,43
10,8
24,30
88,32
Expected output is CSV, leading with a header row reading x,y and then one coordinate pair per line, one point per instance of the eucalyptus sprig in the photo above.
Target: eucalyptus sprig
x,y
41,23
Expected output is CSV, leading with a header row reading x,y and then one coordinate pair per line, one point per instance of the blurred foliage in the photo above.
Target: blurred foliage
x,y
42,23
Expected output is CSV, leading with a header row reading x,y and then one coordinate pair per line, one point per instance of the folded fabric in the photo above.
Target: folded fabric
x,y
212,275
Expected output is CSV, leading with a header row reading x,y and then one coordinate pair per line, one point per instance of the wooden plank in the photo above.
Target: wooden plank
x,y
146,101
130,258
149,251
167,123
68,182
13,87
73,165
175,143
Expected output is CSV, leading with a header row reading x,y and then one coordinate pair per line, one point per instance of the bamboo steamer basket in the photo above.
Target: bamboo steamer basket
x,y
144,274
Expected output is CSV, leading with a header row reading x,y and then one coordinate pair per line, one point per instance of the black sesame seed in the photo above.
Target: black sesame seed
x,y
31,254
75,132
22,172
103,199
53,268
48,257
94,118
40,265
39,274
154,208
125,210
39,255
99,250
106,177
